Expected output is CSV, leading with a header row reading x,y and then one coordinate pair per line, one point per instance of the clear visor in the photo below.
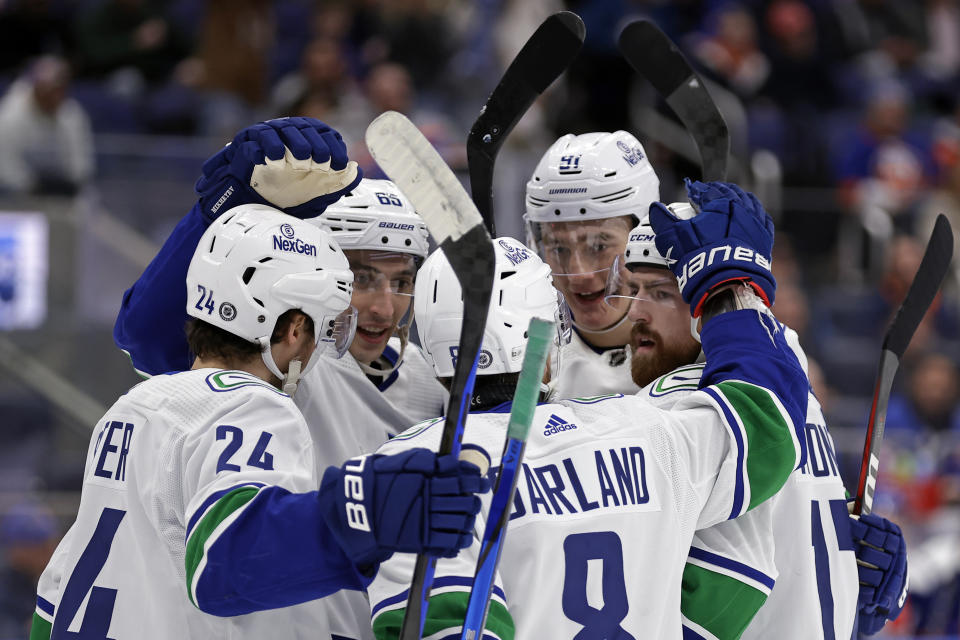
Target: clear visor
x,y
339,332
378,272
581,248
563,320
645,284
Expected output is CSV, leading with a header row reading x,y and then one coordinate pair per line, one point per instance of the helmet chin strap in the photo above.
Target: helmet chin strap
x,y
295,370
612,327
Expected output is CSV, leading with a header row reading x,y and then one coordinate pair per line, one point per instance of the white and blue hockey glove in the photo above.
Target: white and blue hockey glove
x,y
411,502
882,565
296,164
730,239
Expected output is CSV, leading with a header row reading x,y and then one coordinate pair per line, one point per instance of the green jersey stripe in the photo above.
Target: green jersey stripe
x,y
701,590
202,534
445,612
769,438
41,628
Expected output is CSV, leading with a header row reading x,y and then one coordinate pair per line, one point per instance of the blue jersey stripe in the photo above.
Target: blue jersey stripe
x,y
822,564
732,565
45,605
690,634
439,583
738,437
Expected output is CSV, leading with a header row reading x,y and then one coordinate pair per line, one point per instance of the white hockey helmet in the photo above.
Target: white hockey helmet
x,y
590,177
641,247
522,289
375,216
254,263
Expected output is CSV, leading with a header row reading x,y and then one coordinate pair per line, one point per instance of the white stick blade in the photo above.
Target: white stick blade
x,y
409,159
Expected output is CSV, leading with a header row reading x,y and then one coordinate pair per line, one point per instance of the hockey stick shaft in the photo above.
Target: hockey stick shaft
x,y
549,51
654,56
521,417
454,222
933,269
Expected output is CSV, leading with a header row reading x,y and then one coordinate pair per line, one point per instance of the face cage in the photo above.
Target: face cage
x,y
619,287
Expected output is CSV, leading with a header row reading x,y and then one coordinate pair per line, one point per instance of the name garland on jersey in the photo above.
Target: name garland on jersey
x,y
111,451
821,455
589,479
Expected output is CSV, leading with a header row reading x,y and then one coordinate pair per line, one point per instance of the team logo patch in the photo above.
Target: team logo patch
x,y
616,357
631,155
286,230
485,359
227,311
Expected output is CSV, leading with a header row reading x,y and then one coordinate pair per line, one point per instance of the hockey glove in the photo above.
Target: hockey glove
x,y
297,164
731,238
882,565
413,502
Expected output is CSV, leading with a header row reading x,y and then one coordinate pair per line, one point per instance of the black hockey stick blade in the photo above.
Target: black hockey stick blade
x,y
933,269
654,56
549,51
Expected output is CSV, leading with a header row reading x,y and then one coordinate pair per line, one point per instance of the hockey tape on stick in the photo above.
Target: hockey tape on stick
x,y
654,56
524,405
414,165
549,51
933,269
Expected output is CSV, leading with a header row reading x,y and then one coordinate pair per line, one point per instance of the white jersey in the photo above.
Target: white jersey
x,y
815,595
180,468
609,496
587,371
349,415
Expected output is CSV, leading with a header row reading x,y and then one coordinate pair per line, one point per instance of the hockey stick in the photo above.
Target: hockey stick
x,y
525,399
654,56
454,222
933,268
549,51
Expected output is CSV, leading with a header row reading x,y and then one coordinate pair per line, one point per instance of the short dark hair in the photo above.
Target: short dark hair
x,y
207,341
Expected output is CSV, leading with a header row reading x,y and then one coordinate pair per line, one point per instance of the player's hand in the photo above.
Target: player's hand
x,y
412,502
731,238
298,165
882,566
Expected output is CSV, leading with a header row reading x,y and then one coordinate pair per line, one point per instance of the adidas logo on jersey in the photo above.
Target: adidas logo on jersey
x,y
556,424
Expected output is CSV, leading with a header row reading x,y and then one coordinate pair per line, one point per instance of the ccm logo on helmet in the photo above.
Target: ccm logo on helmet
x,y
396,225
641,237
295,245
725,253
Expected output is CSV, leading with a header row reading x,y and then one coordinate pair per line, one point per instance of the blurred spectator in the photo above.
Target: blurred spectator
x,y
46,143
389,87
885,166
323,89
132,41
729,50
233,53
30,28
28,536
930,403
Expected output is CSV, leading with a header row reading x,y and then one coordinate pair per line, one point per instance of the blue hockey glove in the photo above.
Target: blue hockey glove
x,y
882,565
297,164
730,239
412,502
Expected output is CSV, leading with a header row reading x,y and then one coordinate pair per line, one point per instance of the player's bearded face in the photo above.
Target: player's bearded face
x,y
382,293
580,255
660,339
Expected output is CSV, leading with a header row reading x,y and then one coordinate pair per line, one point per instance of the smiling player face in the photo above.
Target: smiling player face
x,y
580,255
382,293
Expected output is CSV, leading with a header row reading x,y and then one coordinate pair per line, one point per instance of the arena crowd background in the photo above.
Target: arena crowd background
x,y
845,121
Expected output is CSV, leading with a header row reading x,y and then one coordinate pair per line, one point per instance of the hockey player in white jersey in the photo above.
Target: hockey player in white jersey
x,y
816,593
583,198
201,494
353,404
612,488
